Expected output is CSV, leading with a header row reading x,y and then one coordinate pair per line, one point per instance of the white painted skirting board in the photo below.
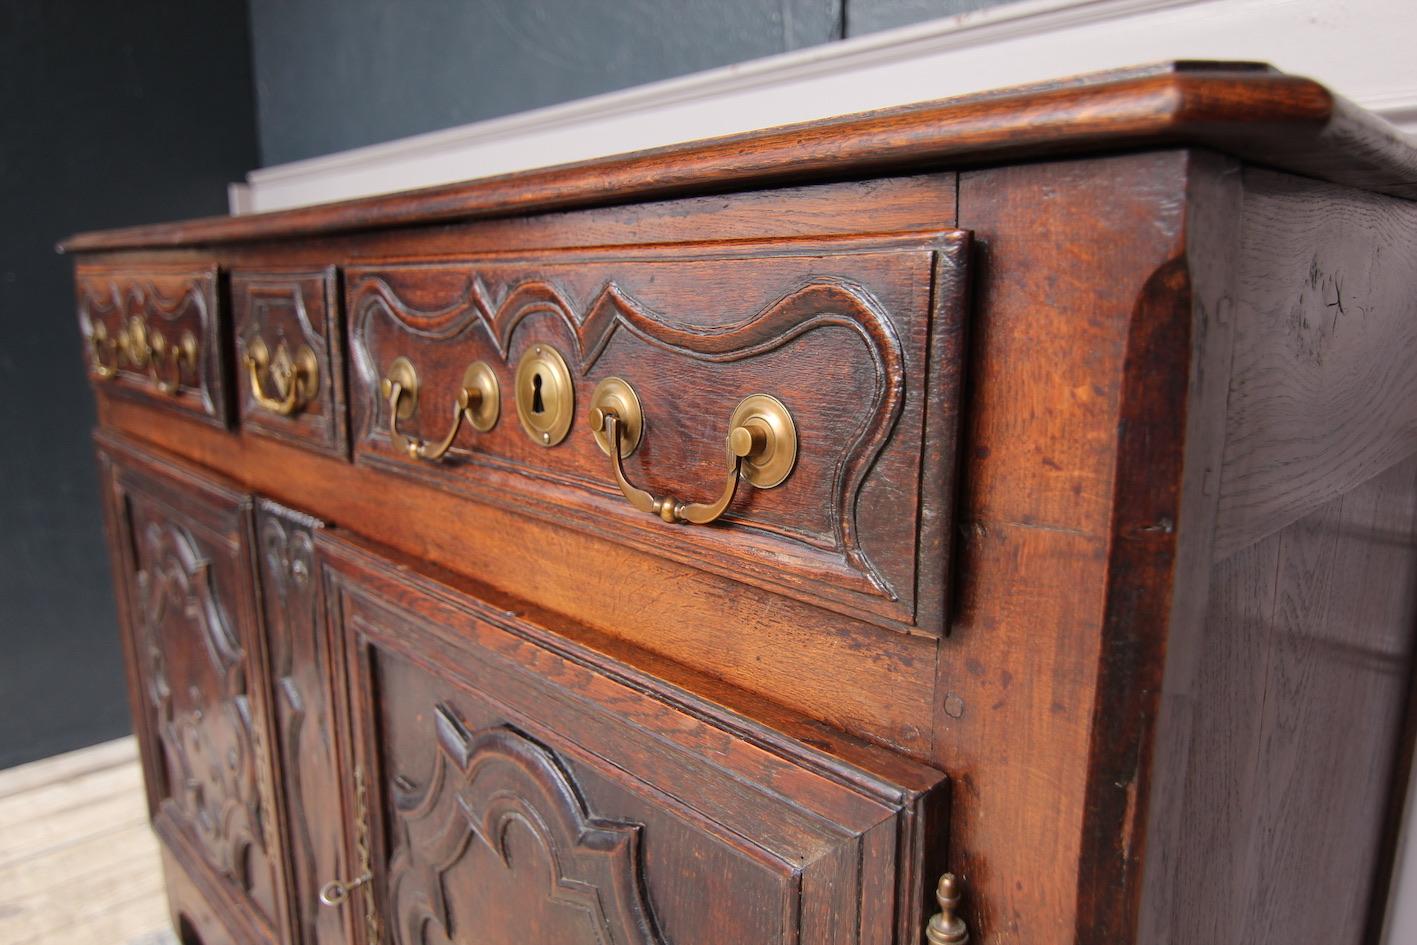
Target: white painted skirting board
x,y
1360,48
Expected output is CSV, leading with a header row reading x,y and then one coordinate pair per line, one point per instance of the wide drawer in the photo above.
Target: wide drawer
x,y
512,787
856,340
290,357
157,334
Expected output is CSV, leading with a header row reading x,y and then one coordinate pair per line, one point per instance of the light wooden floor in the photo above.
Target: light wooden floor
x,y
78,863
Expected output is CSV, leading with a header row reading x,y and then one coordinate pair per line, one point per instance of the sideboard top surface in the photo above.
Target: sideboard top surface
x,y
1245,109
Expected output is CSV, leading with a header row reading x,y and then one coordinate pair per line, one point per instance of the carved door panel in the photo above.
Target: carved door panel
x,y
304,712
182,547
514,788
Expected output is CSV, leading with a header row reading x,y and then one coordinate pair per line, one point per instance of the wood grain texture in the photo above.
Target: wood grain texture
x,y
1324,394
759,644
306,719
1015,698
1289,653
1289,122
1156,718
78,821
185,540
1182,485
464,712
1297,703
836,330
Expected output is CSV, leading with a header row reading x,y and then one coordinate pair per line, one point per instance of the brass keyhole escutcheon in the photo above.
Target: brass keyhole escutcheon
x,y
546,396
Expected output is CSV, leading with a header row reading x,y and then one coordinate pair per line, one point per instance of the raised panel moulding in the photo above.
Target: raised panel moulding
x,y
1359,48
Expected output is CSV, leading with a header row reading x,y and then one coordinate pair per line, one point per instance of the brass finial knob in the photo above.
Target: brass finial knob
x,y
945,927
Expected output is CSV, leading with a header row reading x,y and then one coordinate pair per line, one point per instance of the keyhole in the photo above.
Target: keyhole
x,y
536,404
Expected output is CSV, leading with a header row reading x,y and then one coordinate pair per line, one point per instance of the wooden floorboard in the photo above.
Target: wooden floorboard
x,y
78,862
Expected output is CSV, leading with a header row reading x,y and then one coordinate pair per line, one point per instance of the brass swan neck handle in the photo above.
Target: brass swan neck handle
x,y
295,380
478,402
761,448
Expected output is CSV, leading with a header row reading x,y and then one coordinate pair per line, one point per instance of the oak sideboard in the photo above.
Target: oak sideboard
x,y
988,520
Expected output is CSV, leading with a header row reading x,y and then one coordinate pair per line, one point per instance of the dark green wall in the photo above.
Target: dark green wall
x,y
337,74
110,114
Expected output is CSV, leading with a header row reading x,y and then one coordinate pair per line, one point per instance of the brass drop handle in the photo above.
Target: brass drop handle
x,y
336,891
295,380
143,347
100,344
478,402
147,348
761,448
166,362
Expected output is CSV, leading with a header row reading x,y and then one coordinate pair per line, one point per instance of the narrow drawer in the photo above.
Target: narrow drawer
x,y
511,787
156,334
290,357
827,361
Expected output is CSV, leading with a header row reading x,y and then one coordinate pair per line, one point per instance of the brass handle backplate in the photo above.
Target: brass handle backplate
x,y
144,349
761,447
296,380
478,402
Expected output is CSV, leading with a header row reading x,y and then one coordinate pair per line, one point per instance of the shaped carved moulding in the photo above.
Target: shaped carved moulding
x,y
499,849
196,684
841,331
155,335
303,716
523,789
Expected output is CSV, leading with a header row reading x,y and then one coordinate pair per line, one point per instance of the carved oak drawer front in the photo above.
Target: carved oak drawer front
x,y
519,789
156,334
194,649
793,380
290,357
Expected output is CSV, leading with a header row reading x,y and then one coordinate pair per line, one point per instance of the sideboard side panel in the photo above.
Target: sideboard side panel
x,y
1282,725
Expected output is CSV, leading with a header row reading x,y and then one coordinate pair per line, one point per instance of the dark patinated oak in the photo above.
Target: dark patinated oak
x,y
1093,583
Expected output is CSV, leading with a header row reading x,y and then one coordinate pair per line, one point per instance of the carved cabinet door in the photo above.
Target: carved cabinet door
x,y
511,787
182,549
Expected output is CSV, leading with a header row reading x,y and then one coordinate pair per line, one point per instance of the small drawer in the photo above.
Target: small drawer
x,y
155,334
290,357
516,788
829,362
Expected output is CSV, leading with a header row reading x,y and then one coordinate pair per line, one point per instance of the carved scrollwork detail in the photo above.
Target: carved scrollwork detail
x,y
208,735
302,712
824,302
499,848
